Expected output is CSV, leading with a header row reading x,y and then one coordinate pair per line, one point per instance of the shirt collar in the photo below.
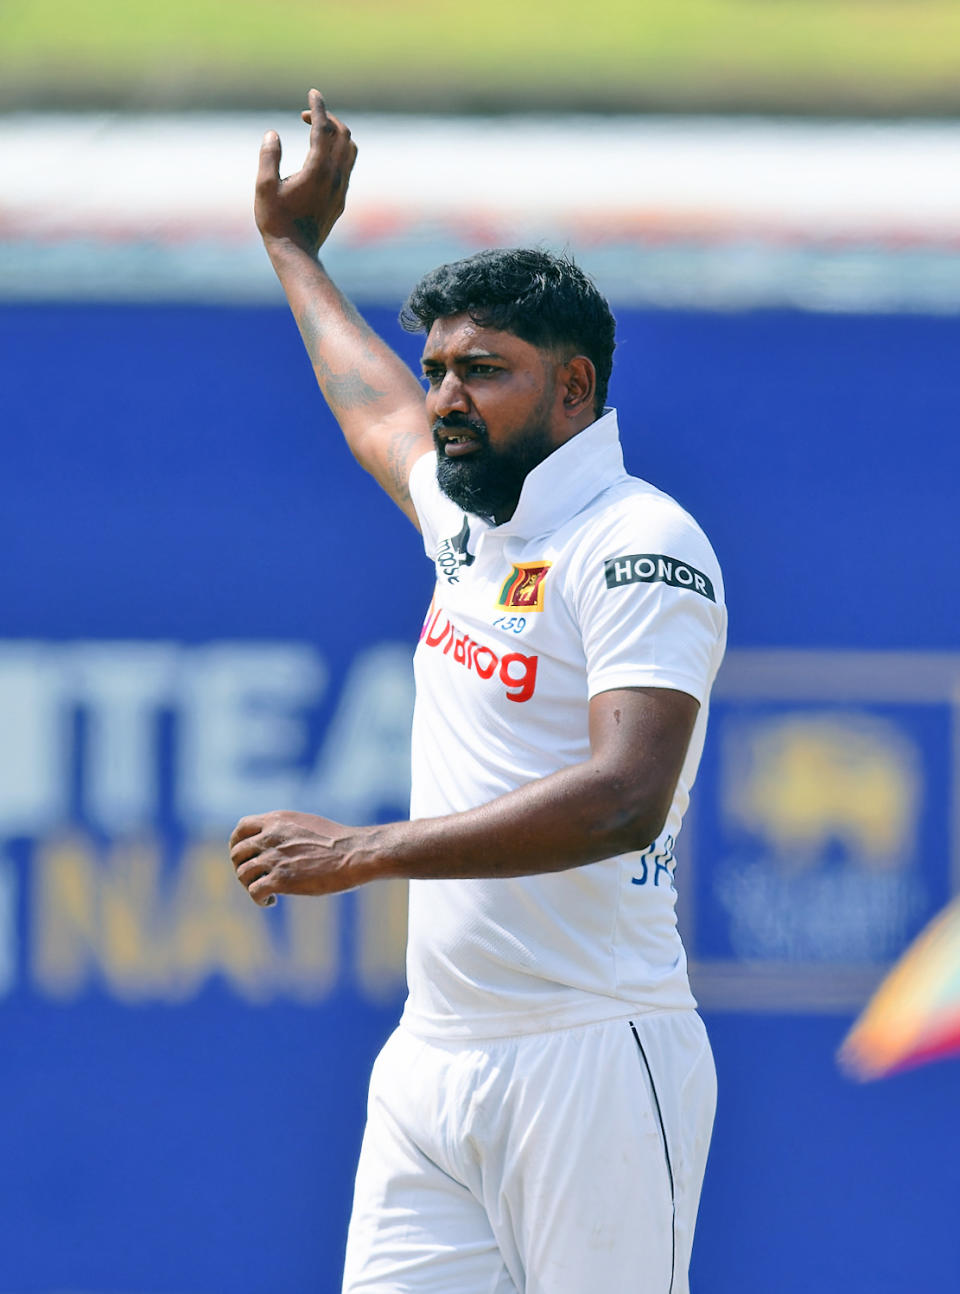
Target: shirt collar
x,y
568,479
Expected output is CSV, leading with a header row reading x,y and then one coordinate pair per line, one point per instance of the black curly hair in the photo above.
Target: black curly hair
x,y
544,299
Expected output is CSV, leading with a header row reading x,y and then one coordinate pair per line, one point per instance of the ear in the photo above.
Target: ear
x,y
579,386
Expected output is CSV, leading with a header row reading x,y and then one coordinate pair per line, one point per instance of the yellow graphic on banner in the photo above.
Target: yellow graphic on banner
x,y
804,780
125,922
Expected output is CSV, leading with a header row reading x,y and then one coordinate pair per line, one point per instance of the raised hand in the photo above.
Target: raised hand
x,y
373,395
304,207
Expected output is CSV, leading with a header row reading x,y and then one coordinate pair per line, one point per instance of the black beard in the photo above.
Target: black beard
x,y
488,481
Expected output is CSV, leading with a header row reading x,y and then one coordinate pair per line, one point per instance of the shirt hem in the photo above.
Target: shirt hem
x,y
546,1022
698,688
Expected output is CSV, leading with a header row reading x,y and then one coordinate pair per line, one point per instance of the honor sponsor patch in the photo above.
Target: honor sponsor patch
x,y
656,568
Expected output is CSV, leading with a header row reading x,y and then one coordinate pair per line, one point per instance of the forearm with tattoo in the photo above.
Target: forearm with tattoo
x,y
377,401
348,389
371,392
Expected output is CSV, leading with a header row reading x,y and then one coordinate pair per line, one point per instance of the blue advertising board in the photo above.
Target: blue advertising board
x,y
208,611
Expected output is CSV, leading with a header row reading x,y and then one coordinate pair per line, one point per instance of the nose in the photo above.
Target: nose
x,y
450,396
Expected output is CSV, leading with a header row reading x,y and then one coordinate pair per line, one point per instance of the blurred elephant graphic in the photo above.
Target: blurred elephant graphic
x,y
805,781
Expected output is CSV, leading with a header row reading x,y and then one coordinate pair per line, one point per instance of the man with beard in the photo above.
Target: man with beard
x,y
539,1121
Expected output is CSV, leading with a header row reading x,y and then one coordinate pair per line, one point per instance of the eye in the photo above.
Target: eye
x,y
484,370
433,376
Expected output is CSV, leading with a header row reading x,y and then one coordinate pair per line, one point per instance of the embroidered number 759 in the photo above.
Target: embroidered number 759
x,y
511,624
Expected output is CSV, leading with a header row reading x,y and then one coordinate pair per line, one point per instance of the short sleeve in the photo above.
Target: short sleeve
x,y
649,601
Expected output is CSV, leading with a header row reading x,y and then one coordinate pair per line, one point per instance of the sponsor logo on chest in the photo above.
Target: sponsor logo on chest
x,y
452,554
656,568
516,672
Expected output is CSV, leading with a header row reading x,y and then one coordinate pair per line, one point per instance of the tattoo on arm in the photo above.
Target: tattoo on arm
x,y
397,463
312,330
361,325
337,328
344,390
309,229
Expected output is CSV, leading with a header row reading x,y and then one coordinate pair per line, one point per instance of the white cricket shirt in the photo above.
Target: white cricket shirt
x,y
598,581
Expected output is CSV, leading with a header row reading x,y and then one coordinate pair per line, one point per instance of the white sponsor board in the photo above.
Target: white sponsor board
x,y
667,211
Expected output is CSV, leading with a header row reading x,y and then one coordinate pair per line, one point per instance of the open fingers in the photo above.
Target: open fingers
x,y
323,124
320,122
268,170
333,122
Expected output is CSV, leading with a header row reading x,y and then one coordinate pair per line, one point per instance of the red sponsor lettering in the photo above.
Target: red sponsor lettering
x,y
517,673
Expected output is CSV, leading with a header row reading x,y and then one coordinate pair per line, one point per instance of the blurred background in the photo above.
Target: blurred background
x,y
207,610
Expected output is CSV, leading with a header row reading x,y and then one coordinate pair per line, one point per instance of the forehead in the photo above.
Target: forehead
x,y
455,337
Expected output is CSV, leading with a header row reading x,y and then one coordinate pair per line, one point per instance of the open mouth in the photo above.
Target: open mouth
x,y
457,445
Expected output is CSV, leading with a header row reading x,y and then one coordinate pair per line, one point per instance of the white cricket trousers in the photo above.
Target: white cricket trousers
x,y
555,1163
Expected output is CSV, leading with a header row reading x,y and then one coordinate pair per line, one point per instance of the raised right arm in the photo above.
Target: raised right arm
x,y
377,401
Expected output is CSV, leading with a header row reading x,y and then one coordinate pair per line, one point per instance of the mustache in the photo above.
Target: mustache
x,y
460,422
